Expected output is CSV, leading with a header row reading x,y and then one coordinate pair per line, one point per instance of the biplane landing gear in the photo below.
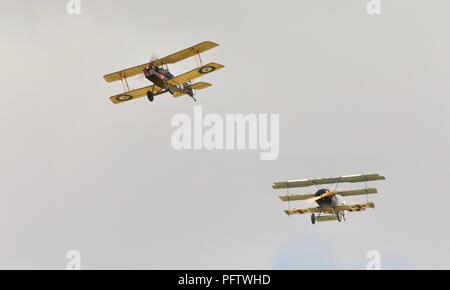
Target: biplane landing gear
x,y
313,219
150,96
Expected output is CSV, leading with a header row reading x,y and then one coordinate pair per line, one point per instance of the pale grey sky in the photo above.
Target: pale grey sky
x,y
355,94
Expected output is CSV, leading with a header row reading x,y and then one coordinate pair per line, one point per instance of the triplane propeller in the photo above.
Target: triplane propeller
x,y
157,71
331,206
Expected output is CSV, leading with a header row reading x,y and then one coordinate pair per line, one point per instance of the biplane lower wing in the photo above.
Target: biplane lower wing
x,y
321,181
126,73
194,74
125,97
355,207
195,87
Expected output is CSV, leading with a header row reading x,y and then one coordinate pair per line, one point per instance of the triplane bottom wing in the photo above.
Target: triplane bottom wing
x,y
346,207
355,207
297,211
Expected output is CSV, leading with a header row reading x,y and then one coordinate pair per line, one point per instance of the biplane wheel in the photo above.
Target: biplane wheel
x,y
313,219
339,217
150,96
206,70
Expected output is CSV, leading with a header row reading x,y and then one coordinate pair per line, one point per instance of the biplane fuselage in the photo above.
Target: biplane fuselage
x,y
161,77
158,73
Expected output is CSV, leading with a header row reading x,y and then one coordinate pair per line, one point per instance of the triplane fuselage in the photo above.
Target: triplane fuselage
x,y
331,204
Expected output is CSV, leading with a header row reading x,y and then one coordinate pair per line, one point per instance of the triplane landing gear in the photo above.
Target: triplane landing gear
x,y
313,219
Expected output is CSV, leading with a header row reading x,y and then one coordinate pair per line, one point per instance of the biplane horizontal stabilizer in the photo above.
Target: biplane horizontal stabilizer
x,y
195,87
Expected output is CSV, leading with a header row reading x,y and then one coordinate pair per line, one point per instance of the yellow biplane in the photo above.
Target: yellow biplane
x,y
157,71
331,206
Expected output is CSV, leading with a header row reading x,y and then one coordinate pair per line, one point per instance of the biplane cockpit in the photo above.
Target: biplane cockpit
x,y
157,71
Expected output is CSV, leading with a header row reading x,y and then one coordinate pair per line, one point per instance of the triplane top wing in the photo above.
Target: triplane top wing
x,y
173,58
322,181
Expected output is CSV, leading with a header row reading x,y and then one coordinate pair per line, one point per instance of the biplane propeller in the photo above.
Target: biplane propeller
x,y
157,72
331,206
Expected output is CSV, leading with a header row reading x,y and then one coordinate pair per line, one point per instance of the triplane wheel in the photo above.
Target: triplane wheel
x,y
150,96
339,217
313,219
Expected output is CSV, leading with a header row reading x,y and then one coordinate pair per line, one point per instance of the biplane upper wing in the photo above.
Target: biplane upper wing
x,y
125,97
298,197
355,207
126,73
296,211
186,53
342,179
173,58
196,73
